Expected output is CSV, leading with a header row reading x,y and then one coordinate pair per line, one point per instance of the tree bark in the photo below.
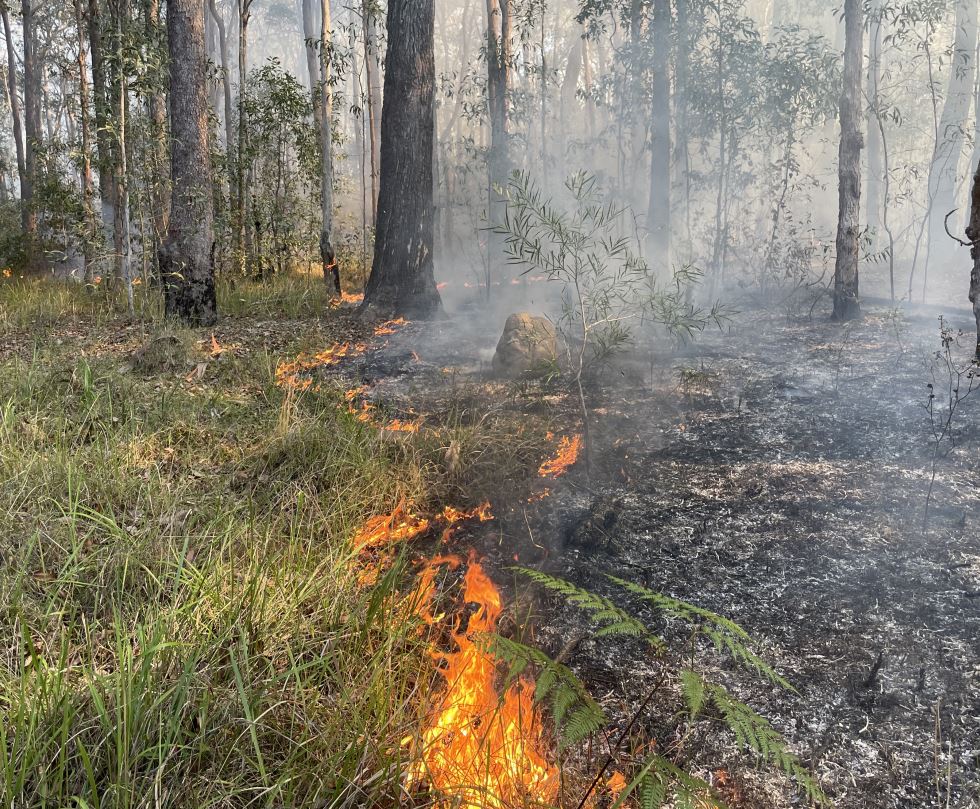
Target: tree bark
x,y
875,170
157,104
973,234
402,281
187,257
951,135
318,45
499,26
229,114
90,228
32,124
846,301
101,105
658,212
240,224
25,181
372,76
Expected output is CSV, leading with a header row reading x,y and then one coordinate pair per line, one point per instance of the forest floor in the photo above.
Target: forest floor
x,y
153,481
776,473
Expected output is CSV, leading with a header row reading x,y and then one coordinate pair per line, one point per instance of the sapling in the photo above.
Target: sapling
x,y
591,247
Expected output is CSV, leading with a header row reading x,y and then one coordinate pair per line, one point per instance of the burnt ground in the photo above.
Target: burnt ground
x,y
775,473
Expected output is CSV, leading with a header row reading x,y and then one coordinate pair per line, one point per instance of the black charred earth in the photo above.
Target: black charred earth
x,y
776,473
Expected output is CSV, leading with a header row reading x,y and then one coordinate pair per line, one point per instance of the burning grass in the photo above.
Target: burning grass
x,y
567,453
482,748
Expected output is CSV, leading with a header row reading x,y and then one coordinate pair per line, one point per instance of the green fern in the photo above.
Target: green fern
x,y
754,733
610,618
659,780
725,634
576,714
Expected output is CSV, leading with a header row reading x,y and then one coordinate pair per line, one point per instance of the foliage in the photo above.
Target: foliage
x,y
577,715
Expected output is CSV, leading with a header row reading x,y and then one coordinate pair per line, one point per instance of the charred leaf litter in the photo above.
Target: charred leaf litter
x,y
775,473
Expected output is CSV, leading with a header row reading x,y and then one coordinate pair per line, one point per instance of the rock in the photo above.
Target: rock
x,y
529,343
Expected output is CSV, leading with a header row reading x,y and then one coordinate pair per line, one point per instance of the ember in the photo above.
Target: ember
x,y
481,749
566,455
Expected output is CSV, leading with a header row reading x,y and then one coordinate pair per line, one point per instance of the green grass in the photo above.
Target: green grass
x,y
181,620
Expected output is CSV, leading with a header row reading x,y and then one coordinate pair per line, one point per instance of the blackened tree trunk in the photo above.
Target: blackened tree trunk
x,y
973,234
658,212
186,258
402,282
846,302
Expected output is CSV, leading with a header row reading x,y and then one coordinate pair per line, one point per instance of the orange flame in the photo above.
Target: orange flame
x,y
390,327
290,374
566,455
388,529
484,750
347,298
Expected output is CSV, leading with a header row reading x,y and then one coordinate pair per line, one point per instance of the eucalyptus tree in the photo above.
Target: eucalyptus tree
x,y
973,234
187,257
401,281
951,135
26,188
846,301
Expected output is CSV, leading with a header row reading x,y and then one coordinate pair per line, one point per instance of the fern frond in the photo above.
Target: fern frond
x,y
754,733
576,714
692,686
610,618
725,634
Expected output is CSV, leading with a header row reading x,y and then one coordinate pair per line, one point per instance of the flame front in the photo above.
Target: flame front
x,y
481,749
566,455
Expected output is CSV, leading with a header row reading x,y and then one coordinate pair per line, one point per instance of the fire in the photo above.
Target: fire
x,y
290,374
566,455
482,749
390,327
347,298
388,529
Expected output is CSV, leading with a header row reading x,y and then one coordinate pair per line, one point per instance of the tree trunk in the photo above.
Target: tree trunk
x,y
101,104
25,181
846,302
402,281
158,133
874,170
658,212
187,255
241,227
498,89
682,158
88,185
331,269
318,65
226,88
32,124
372,75
973,234
951,135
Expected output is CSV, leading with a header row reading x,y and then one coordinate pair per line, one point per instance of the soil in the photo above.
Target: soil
x,y
776,473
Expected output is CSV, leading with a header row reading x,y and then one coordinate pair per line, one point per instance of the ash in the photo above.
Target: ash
x,y
777,474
